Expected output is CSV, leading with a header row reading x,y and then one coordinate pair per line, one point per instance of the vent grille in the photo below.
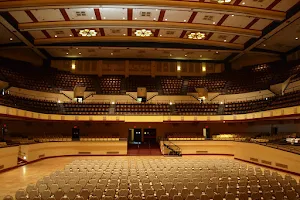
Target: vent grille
x,y
42,156
281,165
115,31
254,159
266,162
112,152
208,17
58,32
170,32
201,152
145,14
80,13
85,153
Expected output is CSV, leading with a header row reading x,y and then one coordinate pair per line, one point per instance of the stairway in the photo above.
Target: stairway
x,y
174,150
184,87
220,110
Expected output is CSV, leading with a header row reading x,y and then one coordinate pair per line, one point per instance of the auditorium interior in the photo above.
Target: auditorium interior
x,y
150,99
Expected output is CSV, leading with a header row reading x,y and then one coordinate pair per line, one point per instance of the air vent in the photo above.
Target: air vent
x,y
145,14
58,32
170,32
266,162
84,153
80,13
281,165
112,152
115,31
208,17
223,37
254,159
42,156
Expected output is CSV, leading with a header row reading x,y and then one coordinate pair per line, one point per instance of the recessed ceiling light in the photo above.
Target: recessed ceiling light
x,y
55,35
166,19
243,3
296,38
185,55
154,18
79,53
92,17
104,17
264,45
123,17
225,40
10,39
214,22
160,35
232,15
67,53
135,18
184,20
71,35
217,52
124,34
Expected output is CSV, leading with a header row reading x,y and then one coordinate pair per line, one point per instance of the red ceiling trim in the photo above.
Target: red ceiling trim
x,y
64,14
129,31
251,23
129,14
97,13
46,34
102,31
222,20
192,17
31,16
161,15
183,34
156,32
208,36
237,2
272,5
234,39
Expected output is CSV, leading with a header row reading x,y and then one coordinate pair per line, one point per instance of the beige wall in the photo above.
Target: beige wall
x,y
133,67
9,157
253,59
44,150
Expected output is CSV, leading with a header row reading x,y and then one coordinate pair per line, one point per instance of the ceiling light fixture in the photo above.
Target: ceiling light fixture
x,y
296,38
243,3
196,36
92,17
55,35
123,17
79,53
214,22
225,40
87,32
104,17
67,53
143,33
184,20
154,18
224,1
71,35
160,35
12,39
166,19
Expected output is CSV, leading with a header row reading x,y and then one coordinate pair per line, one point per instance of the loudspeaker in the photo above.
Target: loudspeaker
x,y
75,133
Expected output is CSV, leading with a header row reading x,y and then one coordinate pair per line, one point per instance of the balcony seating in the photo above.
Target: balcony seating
x,y
86,108
196,109
287,100
171,85
213,83
133,82
148,109
246,106
110,84
185,136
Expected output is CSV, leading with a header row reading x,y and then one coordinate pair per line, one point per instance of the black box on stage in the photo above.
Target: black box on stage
x,y
75,133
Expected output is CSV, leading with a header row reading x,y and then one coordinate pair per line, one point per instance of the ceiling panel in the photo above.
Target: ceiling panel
x,y
21,16
257,3
242,40
261,24
115,31
113,13
221,37
48,15
60,33
7,37
237,21
207,18
81,13
37,34
169,33
285,5
177,16
146,14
